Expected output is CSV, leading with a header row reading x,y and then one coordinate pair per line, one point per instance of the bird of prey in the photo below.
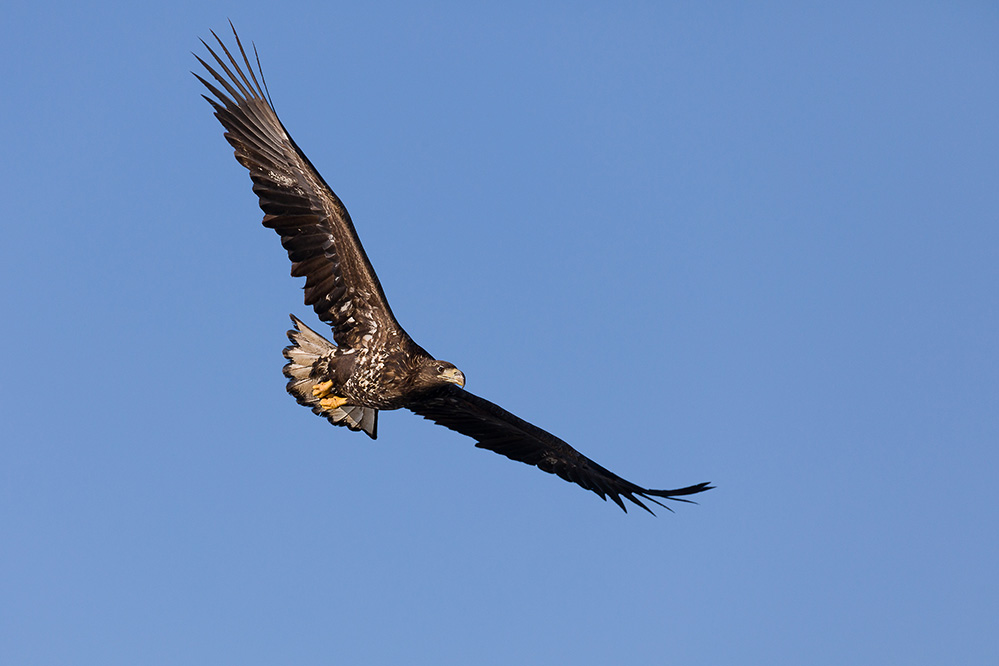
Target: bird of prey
x,y
372,363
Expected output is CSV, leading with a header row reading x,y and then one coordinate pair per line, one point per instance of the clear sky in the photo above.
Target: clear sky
x,y
757,246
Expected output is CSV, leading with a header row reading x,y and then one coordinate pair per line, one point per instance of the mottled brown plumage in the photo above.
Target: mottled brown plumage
x,y
374,364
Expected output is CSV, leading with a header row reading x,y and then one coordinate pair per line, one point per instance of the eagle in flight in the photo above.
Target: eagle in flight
x,y
374,364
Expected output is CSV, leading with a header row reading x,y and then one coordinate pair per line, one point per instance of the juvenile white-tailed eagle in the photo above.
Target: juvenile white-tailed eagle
x,y
374,364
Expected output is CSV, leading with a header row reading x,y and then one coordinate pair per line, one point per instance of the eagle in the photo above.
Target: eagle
x,y
372,363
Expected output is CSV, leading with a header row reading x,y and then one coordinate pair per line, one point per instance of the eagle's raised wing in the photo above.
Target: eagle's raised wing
x,y
496,429
314,225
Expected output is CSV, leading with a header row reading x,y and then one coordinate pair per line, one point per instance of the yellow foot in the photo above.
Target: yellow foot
x,y
332,402
322,389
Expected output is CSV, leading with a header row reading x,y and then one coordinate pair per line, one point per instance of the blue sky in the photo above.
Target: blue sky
x,y
757,246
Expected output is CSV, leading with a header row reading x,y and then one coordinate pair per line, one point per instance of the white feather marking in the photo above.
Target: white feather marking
x,y
281,179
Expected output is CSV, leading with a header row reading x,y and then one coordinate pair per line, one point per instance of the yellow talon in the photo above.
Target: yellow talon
x,y
332,402
322,389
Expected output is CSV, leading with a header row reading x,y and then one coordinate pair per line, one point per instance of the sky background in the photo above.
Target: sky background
x,y
757,246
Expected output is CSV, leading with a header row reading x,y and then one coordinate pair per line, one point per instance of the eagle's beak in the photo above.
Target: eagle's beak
x,y
454,376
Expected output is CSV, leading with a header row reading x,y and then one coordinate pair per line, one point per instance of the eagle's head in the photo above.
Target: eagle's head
x,y
437,373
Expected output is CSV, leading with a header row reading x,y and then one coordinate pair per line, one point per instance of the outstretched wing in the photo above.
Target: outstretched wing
x,y
314,225
498,430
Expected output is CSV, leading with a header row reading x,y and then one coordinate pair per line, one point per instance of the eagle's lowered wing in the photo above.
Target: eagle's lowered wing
x,y
314,225
496,429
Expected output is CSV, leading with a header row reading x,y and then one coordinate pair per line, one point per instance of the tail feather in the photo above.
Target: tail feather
x,y
306,348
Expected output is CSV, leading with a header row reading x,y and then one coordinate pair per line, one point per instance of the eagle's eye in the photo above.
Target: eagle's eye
x,y
440,369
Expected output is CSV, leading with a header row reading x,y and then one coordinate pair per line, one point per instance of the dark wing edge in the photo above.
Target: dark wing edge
x,y
315,228
496,429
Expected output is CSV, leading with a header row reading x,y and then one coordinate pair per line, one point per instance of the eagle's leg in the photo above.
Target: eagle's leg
x,y
323,390
332,402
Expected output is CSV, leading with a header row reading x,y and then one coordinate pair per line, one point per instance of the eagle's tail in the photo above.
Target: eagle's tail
x,y
305,349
